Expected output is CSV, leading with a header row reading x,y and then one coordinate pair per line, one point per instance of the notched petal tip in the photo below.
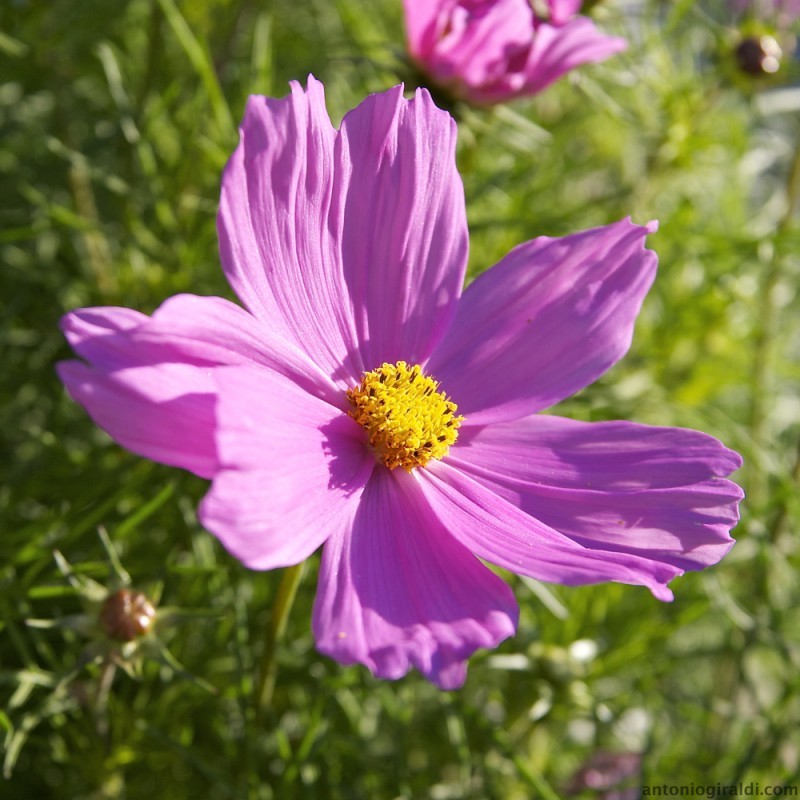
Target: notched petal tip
x,y
647,228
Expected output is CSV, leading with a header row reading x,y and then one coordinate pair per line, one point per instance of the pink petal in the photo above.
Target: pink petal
x,y
480,43
351,245
547,320
292,469
149,380
494,528
216,331
425,22
99,335
204,331
404,227
397,591
490,51
613,486
163,412
563,10
153,398
558,49
278,234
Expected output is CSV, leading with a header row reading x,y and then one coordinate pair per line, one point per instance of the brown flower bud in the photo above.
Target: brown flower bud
x,y
126,615
758,55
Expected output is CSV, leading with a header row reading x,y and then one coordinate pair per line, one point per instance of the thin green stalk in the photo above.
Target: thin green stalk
x,y
782,514
525,769
290,580
762,351
200,58
733,682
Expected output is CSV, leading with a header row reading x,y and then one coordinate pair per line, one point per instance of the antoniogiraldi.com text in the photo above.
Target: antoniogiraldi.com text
x,y
751,789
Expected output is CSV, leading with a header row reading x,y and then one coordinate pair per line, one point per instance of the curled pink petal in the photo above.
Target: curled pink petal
x,y
501,532
653,492
396,591
101,335
547,320
558,49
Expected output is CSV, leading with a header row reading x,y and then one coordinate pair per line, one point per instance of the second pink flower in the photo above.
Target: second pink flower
x,y
490,51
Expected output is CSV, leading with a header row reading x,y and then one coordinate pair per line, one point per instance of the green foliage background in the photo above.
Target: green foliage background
x,y
116,119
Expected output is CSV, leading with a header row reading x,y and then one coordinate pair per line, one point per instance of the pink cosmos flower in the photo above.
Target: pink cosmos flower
x,y
362,403
490,51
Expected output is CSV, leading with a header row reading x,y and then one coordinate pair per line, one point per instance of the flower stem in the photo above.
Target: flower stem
x,y
287,590
765,336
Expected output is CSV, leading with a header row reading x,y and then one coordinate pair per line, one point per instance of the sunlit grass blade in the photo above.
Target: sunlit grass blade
x,y
200,58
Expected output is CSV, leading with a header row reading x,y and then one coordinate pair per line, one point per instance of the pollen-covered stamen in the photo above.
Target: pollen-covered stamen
x,y
407,419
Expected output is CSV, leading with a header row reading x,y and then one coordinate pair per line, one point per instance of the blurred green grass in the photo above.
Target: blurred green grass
x,y
116,120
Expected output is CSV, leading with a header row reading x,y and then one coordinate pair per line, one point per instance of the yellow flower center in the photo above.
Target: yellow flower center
x,y
407,419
